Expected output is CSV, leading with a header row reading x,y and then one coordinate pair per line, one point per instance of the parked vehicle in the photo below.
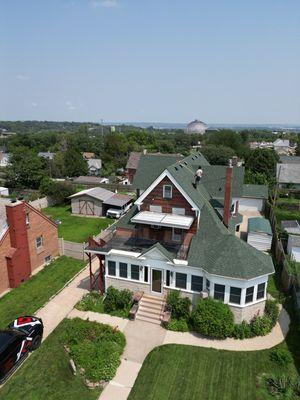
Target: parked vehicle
x,y
114,213
23,335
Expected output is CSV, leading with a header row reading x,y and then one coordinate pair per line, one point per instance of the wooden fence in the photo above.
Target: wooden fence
x,y
77,250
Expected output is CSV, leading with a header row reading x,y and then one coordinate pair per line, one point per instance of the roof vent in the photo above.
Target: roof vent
x,y
176,168
181,165
196,156
13,200
185,162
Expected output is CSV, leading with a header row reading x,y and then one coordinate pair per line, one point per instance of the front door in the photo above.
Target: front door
x,y
156,280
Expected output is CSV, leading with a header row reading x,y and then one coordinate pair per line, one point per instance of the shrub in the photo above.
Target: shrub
x,y
213,318
117,299
272,311
242,331
283,387
281,357
178,325
180,306
95,347
92,301
261,326
58,191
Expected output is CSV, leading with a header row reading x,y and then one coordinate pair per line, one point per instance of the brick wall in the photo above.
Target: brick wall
x,y
248,313
4,248
123,284
41,226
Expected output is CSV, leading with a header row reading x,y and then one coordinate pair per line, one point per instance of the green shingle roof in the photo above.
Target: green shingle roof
x,y
125,221
214,177
162,249
255,191
259,224
150,167
219,252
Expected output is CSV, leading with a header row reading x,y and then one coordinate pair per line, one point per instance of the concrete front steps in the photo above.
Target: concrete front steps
x,y
150,309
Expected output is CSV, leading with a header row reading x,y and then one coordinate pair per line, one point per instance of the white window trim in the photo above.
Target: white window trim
x,y
164,192
42,242
175,210
174,238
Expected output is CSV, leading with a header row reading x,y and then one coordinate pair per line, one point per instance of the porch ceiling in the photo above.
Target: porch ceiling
x,y
163,219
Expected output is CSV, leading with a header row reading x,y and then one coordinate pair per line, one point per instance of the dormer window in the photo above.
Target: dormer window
x,y
167,191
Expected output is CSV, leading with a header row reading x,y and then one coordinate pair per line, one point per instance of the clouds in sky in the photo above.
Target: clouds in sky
x,y
103,3
70,106
22,77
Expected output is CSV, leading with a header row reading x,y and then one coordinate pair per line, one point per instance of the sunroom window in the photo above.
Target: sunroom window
x,y
219,292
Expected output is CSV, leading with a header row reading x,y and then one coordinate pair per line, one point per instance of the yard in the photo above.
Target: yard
x,y
31,295
47,374
75,229
176,372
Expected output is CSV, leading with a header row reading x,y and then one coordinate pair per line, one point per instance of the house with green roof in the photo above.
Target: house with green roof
x,y
181,235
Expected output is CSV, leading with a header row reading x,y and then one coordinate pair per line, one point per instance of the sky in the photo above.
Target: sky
x,y
221,61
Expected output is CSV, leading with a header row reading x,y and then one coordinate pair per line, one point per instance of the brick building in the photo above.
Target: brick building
x,y
28,240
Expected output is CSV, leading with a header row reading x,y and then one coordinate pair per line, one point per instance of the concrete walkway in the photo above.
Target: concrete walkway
x,y
58,307
142,337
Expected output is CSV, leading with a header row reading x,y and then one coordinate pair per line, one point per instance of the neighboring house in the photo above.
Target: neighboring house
x,y
132,165
288,175
282,146
123,181
90,180
46,155
181,236
4,159
96,202
94,166
87,155
261,145
293,246
28,240
260,233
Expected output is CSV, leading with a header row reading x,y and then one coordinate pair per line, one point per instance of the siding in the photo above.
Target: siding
x,y
40,226
96,204
4,248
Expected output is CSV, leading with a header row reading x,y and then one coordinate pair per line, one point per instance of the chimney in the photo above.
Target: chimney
x,y
18,256
227,196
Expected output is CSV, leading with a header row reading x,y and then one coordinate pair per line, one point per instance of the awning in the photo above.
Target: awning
x,y
161,219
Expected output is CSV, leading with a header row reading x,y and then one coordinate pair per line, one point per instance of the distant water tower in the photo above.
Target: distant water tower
x,y
196,126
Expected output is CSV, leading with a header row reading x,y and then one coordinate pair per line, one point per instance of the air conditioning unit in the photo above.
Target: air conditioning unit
x,y
204,294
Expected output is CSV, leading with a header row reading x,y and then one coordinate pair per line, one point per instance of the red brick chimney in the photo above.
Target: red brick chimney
x,y
18,257
227,196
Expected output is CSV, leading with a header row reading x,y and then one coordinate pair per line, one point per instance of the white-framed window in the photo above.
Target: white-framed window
x,y
123,270
261,288
27,218
181,280
111,268
47,259
157,209
39,242
249,294
135,272
167,191
219,292
235,295
178,211
176,234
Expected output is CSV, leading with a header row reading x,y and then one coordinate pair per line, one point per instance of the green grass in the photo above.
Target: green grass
x,y
33,294
76,229
282,215
47,375
177,372
288,200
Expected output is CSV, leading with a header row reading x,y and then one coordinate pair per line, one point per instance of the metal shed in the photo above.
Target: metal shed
x,y
260,233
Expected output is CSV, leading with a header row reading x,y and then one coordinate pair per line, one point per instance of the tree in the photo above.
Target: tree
x,y
26,170
263,161
57,166
228,138
74,163
217,155
58,191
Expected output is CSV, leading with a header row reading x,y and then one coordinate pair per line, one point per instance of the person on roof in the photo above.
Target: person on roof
x,y
198,175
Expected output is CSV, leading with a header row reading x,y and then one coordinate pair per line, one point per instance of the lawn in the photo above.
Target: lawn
x,y
76,229
177,372
33,294
47,374
285,214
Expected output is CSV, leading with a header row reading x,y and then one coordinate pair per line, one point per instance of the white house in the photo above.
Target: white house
x,y
180,235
